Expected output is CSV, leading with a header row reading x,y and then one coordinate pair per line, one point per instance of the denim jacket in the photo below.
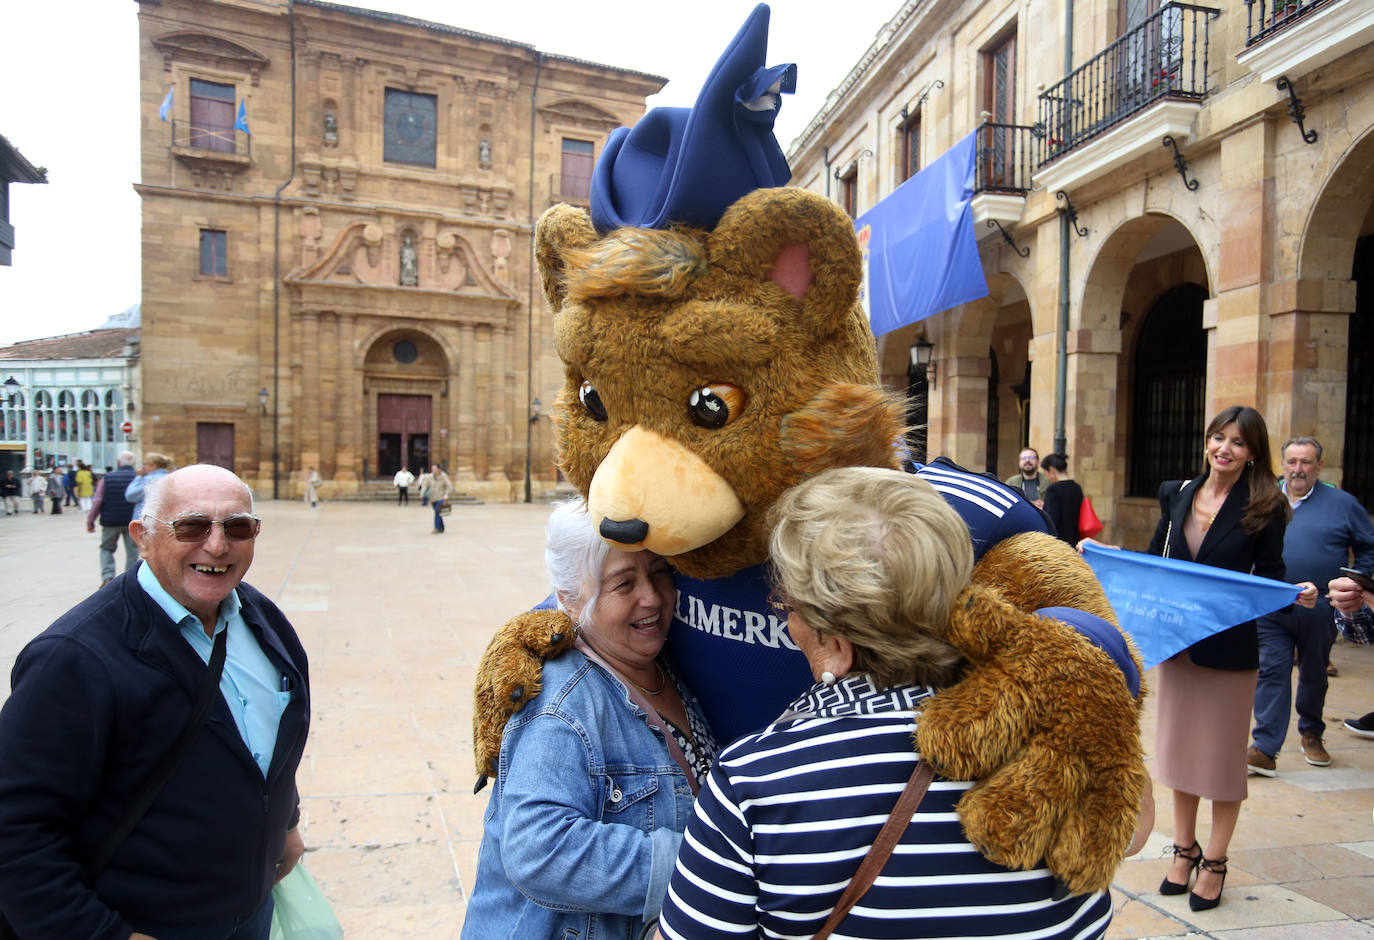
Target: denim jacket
x,y
588,809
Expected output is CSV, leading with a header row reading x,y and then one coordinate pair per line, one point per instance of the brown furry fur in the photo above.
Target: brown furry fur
x,y
508,677
1042,718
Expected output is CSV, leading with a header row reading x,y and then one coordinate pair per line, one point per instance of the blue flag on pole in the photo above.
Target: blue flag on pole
x,y
166,108
242,123
920,255
1167,604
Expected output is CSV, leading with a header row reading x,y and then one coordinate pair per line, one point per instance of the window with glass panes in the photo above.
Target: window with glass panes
x,y
212,116
213,246
576,168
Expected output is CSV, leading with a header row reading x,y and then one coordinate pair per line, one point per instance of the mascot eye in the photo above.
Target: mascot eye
x,y
714,405
586,394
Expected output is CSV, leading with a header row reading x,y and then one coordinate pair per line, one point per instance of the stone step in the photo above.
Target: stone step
x,y
376,491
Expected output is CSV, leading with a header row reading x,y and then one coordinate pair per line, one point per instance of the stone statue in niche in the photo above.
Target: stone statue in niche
x,y
331,128
484,154
410,269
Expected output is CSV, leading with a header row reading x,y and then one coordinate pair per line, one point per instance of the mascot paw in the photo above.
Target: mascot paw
x,y
508,677
1091,842
1042,718
1013,815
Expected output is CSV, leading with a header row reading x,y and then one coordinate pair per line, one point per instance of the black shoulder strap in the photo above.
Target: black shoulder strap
x,y
209,689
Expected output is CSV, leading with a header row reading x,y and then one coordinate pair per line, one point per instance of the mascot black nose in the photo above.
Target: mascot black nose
x,y
626,533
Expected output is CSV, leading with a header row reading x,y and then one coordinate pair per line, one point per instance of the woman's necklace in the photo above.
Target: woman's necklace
x,y
662,682
1199,512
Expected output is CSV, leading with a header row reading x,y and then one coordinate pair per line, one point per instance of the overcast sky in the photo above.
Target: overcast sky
x,y
69,102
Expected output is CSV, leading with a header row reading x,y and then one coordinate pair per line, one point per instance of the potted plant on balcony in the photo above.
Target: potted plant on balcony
x,y
1284,9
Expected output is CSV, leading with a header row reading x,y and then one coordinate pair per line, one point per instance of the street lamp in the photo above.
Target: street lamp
x,y
921,352
263,395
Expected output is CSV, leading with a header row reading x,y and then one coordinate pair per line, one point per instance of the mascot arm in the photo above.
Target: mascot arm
x,y
508,677
1043,720
557,845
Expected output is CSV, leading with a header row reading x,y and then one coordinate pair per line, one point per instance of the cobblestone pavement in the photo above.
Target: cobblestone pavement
x,y
395,620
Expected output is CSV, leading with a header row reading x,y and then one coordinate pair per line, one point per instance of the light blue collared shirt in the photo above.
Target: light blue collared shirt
x,y
253,687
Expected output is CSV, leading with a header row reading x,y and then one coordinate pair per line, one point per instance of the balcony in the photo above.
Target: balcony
x,y
1003,176
1295,37
574,190
212,152
1120,103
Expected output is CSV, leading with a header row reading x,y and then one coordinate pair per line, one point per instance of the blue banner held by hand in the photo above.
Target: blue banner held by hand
x,y
1167,604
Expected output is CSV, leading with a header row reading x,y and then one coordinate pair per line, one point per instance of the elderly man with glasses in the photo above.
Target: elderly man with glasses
x,y
148,751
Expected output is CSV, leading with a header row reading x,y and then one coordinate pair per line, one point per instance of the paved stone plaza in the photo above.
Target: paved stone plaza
x,y
395,620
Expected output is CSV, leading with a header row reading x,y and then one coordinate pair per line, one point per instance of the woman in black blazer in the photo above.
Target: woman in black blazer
x,y
1063,497
1232,516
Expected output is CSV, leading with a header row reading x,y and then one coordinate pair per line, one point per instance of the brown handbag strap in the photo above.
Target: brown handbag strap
x,y
882,847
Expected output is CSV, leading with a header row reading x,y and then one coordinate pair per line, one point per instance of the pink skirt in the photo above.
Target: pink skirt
x,y
1203,728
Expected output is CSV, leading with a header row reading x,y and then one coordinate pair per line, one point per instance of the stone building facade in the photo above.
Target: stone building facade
x,y
1241,271
337,215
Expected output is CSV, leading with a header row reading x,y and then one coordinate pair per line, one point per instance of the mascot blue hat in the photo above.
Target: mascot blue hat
x,y
688,165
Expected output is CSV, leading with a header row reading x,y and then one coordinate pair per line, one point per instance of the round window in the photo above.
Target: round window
x,y
405,352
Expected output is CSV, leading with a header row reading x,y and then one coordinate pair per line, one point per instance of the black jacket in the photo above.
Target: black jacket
x,y
99,698
1063,502
1224,545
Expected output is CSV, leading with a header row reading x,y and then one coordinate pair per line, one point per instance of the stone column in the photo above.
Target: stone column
x,y
310,391
498,430
465,390
329,396
962,390
1309,327
482,404
1090,418
1238,355
347,464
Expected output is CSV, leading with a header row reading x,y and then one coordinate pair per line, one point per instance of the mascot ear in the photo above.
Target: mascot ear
x,y
561,229
798,240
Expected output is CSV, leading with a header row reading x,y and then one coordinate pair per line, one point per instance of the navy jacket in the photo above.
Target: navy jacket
x,y
1224,545
99,698
115,510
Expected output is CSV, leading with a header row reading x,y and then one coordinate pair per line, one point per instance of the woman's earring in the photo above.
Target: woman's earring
x,y
828,677
1249,463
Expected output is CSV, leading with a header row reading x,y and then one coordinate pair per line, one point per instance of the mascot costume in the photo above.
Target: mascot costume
x,y
715,354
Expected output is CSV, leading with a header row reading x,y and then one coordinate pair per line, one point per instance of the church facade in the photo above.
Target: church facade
x,y
337,216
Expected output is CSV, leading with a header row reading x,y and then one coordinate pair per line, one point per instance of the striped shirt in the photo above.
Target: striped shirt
x,y
789,812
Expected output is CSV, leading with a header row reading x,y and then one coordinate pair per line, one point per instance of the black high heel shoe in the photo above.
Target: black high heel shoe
x,y
1216,866
1173,887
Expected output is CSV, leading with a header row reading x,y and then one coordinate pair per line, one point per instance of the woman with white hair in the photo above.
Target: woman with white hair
x,y
597,772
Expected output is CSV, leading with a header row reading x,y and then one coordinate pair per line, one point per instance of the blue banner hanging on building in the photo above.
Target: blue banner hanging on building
x,y
1167,604
920,255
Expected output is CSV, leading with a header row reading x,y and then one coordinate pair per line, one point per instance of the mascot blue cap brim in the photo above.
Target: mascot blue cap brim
x,y
687,165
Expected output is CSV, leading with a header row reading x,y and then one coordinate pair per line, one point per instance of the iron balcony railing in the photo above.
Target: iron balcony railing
x,y
211,138
1004,158
1263,18
1164,57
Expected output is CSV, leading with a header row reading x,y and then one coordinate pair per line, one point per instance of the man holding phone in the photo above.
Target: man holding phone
x,y
1328,524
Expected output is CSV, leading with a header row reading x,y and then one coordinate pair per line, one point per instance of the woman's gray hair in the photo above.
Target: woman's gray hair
x,y
575,555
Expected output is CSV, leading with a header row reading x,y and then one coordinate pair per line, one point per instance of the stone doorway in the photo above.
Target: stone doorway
x,y
403,428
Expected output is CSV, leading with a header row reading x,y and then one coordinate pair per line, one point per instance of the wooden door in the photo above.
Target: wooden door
x,y
215,444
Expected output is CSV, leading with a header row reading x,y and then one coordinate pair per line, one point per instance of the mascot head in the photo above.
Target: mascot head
x,y
714,348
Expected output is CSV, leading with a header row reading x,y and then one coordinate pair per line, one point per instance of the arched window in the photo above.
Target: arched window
x,y
90,416
66,416
43,417
113,406
1167,417
1357,465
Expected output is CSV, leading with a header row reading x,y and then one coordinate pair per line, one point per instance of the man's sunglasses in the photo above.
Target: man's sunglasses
x,y
197,528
